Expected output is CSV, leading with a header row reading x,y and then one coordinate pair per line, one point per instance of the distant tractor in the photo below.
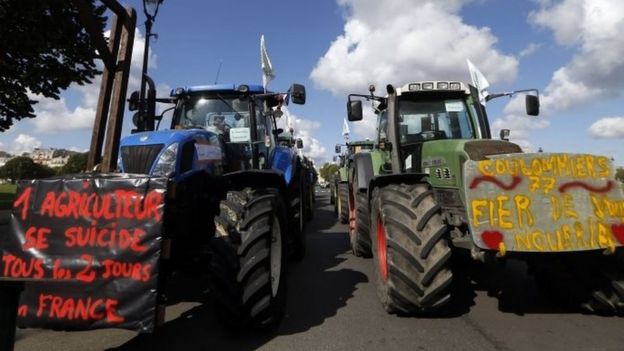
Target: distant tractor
x,y
340,182
351,201
436,184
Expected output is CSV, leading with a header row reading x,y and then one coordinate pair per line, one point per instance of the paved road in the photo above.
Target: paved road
x,y
333,306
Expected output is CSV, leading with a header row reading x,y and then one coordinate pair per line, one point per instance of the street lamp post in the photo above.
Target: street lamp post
x,y
150,8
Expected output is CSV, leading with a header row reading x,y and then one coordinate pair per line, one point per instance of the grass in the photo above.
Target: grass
x,y
7,193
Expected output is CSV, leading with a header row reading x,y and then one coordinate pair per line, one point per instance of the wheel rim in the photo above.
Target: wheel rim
x,y
382,249
351,221
351,215
276,255
339,205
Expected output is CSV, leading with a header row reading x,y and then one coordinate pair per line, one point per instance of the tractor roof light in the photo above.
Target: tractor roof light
x,y
243,88
427,86
442,85
414,87
176,92
455,86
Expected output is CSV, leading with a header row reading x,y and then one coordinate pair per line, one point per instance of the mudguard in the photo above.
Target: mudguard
x,y
363,165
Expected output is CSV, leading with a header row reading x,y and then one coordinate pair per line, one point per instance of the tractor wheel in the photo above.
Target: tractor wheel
x,y
591,281
309,202
298,220
343,202
411,252
248,266
359,227
335,202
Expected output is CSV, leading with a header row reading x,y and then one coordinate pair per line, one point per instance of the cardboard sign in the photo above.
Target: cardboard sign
x,y
240,135
88,249
545,202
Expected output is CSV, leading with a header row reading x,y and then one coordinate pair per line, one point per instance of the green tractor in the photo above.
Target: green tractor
x,y
436,183
340,183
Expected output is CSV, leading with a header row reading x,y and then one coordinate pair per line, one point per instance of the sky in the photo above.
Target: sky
x,y
571,50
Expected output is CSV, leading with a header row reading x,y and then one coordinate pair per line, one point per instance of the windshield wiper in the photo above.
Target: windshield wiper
x,y
226,102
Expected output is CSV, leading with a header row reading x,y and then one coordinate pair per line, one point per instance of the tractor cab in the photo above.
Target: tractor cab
x,y
234,115
427,118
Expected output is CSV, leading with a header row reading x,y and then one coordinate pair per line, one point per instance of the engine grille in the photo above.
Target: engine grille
x,y
139,158
477,150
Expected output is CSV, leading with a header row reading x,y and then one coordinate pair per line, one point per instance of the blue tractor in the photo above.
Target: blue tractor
x,y
237,196
213,206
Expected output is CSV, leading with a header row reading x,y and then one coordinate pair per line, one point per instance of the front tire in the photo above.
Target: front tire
x,y
343,202
359,226
248,265
411,252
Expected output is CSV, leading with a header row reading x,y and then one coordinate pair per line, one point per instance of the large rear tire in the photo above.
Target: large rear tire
x,y
248,266
343,202
412,256
298,225
359,226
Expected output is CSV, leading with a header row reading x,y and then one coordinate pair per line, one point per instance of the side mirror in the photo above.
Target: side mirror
x,y
298,94
133,101
136,120
532,105
338,148
504,134
299,144
354,110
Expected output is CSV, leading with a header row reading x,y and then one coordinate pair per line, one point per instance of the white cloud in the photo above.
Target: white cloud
x,y
391,42
304,129
56,116
594,28
529,50
608,127
24,143
520,126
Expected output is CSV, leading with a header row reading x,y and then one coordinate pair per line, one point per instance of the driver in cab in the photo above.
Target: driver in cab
x,y
222,128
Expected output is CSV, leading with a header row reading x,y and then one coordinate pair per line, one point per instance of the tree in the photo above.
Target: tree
x,y
21,167
328,169
619,174
77,163
43,49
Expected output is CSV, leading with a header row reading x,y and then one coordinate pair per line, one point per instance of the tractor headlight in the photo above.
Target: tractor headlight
x,y
166,163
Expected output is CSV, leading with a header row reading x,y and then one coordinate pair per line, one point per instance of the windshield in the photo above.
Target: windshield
x,y
437,119
359,148
216,113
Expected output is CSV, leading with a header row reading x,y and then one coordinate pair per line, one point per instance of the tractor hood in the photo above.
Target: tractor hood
x,y
170,152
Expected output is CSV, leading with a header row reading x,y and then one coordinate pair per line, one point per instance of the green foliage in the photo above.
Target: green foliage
x,y
77,163
22,167
328,169
619,174
7,195
43,49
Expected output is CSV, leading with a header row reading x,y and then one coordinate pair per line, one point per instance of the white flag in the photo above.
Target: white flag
x,y
479,81
265,64
345,127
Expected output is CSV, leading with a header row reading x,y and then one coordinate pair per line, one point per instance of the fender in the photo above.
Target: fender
x,y
363,166
282,160
256,178
407,178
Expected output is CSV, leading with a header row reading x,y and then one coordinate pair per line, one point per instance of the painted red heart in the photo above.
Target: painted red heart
x,y
492,239
618,232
